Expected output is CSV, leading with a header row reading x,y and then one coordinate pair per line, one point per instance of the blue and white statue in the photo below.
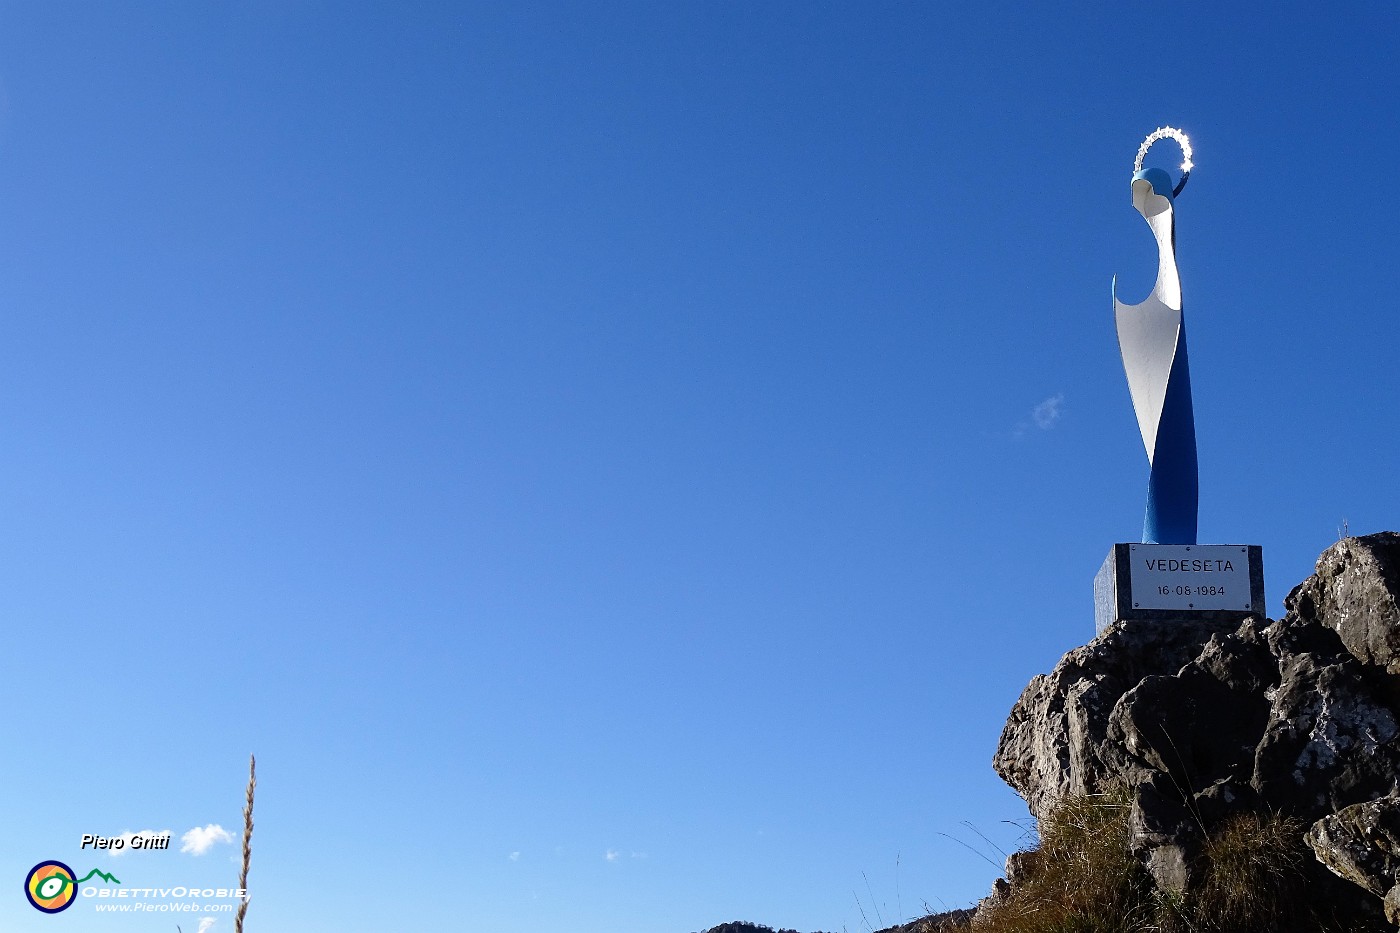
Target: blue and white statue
x,y
1152,339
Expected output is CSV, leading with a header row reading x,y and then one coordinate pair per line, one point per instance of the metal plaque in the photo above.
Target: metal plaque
x,y
1190,576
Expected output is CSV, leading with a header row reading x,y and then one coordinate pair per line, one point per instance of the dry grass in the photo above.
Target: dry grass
x,y
1252,877
247,844
1080,879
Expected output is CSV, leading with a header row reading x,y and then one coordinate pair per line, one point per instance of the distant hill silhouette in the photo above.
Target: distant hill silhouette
x,y
934,923
738,926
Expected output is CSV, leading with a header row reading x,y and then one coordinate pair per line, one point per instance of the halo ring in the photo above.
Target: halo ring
x,y
1181,139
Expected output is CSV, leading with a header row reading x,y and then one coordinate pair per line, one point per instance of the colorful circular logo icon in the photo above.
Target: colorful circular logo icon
x,y
50,886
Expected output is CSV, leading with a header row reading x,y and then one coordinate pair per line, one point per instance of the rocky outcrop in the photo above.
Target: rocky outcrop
x,y
1356,593
1199,720
1056,740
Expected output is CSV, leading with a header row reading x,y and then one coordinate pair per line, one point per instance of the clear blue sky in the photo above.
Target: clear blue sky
x,y
587,451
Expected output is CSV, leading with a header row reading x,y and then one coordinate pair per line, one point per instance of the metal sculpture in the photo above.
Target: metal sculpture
x,y
1152,340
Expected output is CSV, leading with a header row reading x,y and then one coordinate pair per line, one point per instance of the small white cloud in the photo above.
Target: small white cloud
x,y
514,856
612,855
198,841
205,925
639,855
143,835
1048,412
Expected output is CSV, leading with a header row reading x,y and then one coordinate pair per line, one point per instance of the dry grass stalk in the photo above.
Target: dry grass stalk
x,y
247,844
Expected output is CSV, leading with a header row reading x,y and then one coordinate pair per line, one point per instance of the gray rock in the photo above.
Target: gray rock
x,y
1356,592
1361,843
1001,890
1191,727
1056,738
1020,865
1161,815
1170,868
1223,798
1329,742
1392,905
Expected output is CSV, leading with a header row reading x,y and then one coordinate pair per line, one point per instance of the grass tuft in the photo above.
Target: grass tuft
x,y
1082,878
1252,876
